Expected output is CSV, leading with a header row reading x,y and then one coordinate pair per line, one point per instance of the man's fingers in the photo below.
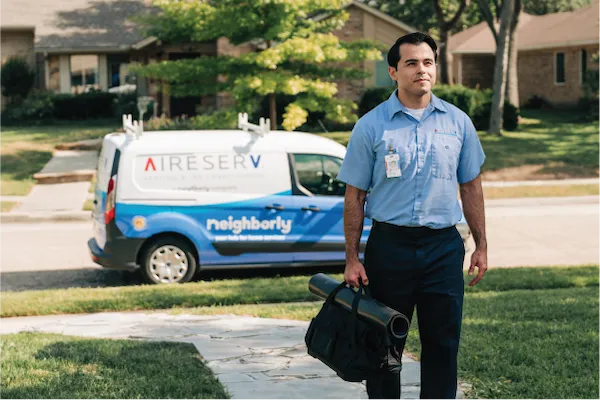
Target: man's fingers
x,y
471,269
479,276
363,277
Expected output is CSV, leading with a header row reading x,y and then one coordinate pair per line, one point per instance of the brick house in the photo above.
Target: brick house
x,y
554,53
76,45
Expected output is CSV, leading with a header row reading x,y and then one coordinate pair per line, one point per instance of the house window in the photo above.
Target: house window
x,y
559,68
118,70
84,73
53,83
582,66
382,77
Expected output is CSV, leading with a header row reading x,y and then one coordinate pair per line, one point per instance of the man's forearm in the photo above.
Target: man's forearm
x,y
471,195
354,216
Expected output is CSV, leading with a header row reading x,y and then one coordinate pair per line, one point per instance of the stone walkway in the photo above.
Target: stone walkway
x,y
253,357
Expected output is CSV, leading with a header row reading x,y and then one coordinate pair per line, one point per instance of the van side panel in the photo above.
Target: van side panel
x,y
232,233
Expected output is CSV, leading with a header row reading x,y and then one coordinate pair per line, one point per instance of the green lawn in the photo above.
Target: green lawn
x,y
49,366
548,144
527,332
25,150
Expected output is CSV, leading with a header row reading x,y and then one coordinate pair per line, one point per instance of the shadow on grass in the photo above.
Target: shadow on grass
x,y
24,163
57,366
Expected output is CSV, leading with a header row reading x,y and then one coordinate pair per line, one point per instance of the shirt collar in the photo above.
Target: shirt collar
x,y
394,106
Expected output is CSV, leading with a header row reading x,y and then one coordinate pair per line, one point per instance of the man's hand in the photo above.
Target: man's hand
x,y
355,271
479,260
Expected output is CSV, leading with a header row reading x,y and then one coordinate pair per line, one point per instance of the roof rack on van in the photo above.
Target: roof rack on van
x,y
131,127
262,128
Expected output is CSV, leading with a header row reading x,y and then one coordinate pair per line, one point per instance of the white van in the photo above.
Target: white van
x,y
172,202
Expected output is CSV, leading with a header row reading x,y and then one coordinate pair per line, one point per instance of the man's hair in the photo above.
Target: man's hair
x,y
412,38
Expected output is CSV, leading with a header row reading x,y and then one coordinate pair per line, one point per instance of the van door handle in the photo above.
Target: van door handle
x,y
95,202
275,207
311,208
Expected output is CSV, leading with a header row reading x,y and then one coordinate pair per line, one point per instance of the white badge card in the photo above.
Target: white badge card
x,y
392,166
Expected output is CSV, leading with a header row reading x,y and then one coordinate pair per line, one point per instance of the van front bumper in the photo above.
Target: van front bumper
x,y
119,255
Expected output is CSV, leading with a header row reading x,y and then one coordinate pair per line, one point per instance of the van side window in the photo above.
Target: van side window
x,y
317,173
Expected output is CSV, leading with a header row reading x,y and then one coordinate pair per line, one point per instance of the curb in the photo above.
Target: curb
x,y
59,216
64,177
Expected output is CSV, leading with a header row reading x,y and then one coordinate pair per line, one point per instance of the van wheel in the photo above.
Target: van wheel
x,y
168,260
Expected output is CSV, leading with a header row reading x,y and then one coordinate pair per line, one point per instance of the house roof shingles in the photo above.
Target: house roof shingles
x,y
535,32
76,24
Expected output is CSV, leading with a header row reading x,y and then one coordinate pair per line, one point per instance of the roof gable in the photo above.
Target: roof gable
x,y
535,32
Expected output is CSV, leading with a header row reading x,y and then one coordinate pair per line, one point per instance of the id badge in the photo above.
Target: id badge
x,y
392,166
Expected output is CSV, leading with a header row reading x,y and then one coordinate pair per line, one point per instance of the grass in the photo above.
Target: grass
x,y
6,206
50,366
26,149
540,191
527,332
248,291
549,144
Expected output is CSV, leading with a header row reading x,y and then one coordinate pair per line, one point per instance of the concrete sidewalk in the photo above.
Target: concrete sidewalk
x,y
62,189
255,358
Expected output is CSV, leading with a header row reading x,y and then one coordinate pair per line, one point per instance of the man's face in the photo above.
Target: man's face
x,y
416,71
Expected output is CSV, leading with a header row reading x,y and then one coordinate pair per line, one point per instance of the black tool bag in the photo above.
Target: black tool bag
x,y
352,347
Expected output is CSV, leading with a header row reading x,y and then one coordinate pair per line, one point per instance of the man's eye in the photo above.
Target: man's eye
x,y
428,63
411,63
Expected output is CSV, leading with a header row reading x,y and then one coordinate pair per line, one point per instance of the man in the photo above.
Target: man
x,y
412,152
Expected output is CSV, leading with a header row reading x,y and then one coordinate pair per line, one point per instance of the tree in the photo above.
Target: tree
x,y
541,7
17,78
296,53
445,26
502,37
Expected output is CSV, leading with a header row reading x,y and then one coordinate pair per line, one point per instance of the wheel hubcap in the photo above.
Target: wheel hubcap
x,y
168,264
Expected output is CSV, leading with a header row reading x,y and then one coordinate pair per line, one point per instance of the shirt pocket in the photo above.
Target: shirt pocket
x,y
445,151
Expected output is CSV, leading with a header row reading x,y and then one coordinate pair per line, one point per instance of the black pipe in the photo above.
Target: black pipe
x,y
369,309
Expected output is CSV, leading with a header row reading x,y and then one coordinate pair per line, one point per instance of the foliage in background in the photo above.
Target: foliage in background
x,y
421,13
17,79
43,106
476,103
296,54
589,102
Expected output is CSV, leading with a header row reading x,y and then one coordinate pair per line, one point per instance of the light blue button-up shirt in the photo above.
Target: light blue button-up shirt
x,y
436,154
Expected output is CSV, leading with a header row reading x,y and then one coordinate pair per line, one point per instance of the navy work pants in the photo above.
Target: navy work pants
x,y
420,267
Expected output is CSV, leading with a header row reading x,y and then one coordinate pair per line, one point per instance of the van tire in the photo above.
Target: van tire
x,y
171,246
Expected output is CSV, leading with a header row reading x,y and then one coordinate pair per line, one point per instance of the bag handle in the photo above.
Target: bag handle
x,y
334,292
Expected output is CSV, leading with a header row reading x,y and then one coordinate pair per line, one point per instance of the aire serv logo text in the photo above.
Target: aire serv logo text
x,y
206,162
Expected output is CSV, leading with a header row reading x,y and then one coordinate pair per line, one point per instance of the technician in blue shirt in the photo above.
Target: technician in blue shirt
x,y
406,160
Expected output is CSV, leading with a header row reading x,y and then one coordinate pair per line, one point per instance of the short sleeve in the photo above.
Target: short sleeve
x,y
357,167
472,156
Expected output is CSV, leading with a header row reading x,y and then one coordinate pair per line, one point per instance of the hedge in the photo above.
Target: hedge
x,y
477,104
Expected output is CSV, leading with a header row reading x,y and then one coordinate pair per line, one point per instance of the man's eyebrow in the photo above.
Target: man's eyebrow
x,y
415,60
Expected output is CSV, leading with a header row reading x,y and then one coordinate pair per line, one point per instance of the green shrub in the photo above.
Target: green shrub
x,y
372,97
465,98
38,106
126,103
17,79
94,104
224,119
476,103
589,102
510,116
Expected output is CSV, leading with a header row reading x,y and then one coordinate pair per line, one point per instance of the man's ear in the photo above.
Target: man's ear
x,y
392,71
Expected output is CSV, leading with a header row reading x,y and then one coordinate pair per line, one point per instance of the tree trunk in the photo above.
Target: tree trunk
x,y
500,68
445,28
512,83
445,77
273,111
272,103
